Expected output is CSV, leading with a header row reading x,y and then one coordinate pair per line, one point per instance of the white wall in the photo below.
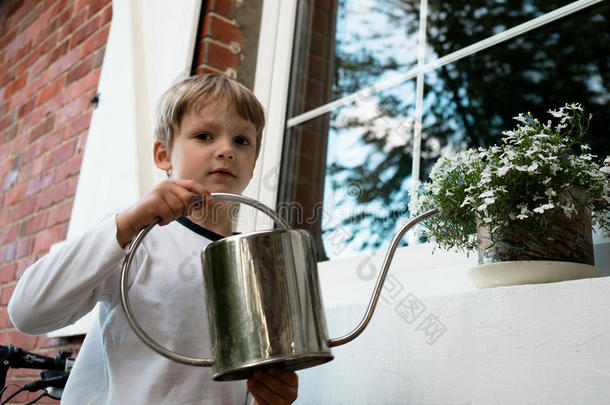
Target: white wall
x,y
536,344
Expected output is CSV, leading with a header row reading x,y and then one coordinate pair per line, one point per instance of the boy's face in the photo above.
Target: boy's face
x,y
214,146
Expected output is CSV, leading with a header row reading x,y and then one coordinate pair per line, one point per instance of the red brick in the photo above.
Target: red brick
x,y
60,154
60,213
5,321
20,373
58,51
63,63
81,69
15,195
68,168
8,37
85,31
39,183
224,31
95,41
42,129
96,5
62,17
26,108
8,134
22,266
56,103
31,16
23,94
15,86
8,252
21,340
73,23
48,237
50,91
222,7
34,224
88,82
50,141
82,4
71,110
56,193
221,57
24,247
45,342
106,14
7,272
37,166
31,119
25,207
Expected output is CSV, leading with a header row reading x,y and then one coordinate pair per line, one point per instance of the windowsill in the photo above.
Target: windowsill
x,y
420,270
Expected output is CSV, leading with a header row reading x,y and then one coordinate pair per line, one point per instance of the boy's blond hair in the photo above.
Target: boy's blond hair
x,y
199,90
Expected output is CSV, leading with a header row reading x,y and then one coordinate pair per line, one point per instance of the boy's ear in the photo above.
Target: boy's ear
x,y
161,156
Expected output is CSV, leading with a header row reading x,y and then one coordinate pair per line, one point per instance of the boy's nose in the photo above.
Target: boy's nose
x,y
225,151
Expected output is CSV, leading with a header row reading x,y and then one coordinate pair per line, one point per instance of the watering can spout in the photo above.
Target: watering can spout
x,y
380,279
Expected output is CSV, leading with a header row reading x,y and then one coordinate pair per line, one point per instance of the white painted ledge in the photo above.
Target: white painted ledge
x,y
534,344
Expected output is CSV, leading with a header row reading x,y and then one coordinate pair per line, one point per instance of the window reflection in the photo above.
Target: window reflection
x,y
353,164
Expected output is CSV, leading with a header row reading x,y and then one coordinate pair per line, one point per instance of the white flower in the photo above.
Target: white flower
x,y
556,113
532,168
521,216
543,207
503,170
489,200
489,193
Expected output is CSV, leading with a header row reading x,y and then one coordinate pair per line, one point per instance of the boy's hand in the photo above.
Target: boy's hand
x,y
168,200
274,386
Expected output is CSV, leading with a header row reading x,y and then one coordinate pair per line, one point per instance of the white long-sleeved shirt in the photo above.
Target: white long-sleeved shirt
x,y
167,297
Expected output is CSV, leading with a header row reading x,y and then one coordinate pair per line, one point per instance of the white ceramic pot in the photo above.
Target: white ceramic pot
x,y
499,274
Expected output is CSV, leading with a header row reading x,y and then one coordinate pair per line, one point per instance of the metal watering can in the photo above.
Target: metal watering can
x,y
263,299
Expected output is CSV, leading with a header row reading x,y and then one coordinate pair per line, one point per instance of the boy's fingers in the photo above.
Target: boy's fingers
x,y
192,186
289,377
285,388
261,393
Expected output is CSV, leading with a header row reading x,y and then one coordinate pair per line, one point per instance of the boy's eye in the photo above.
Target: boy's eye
x,y
242,140
203,136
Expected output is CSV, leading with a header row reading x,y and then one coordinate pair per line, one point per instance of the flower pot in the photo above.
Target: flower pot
x,y
567,239
523,256
501,274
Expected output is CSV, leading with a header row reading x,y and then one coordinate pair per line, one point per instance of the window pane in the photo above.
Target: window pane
x,y
342,46
453,25
354,198
470,102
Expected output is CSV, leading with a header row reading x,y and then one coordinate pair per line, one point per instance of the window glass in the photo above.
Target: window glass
x,y
343,46
353,163
469,103
453,25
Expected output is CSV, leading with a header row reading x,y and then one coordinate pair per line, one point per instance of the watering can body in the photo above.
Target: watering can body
x,y
264,303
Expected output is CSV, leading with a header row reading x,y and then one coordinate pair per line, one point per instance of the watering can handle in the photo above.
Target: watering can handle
x,y
135,326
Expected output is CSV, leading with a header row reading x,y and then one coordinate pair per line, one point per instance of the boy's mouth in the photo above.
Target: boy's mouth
x,y
223,172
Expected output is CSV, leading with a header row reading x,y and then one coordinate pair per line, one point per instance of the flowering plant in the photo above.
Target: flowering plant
x,y
525,181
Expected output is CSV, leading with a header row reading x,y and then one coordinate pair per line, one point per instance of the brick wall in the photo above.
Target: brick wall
x,y
228,39
50,58
51,53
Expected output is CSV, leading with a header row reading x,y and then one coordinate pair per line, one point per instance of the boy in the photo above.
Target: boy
x,y
208,136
